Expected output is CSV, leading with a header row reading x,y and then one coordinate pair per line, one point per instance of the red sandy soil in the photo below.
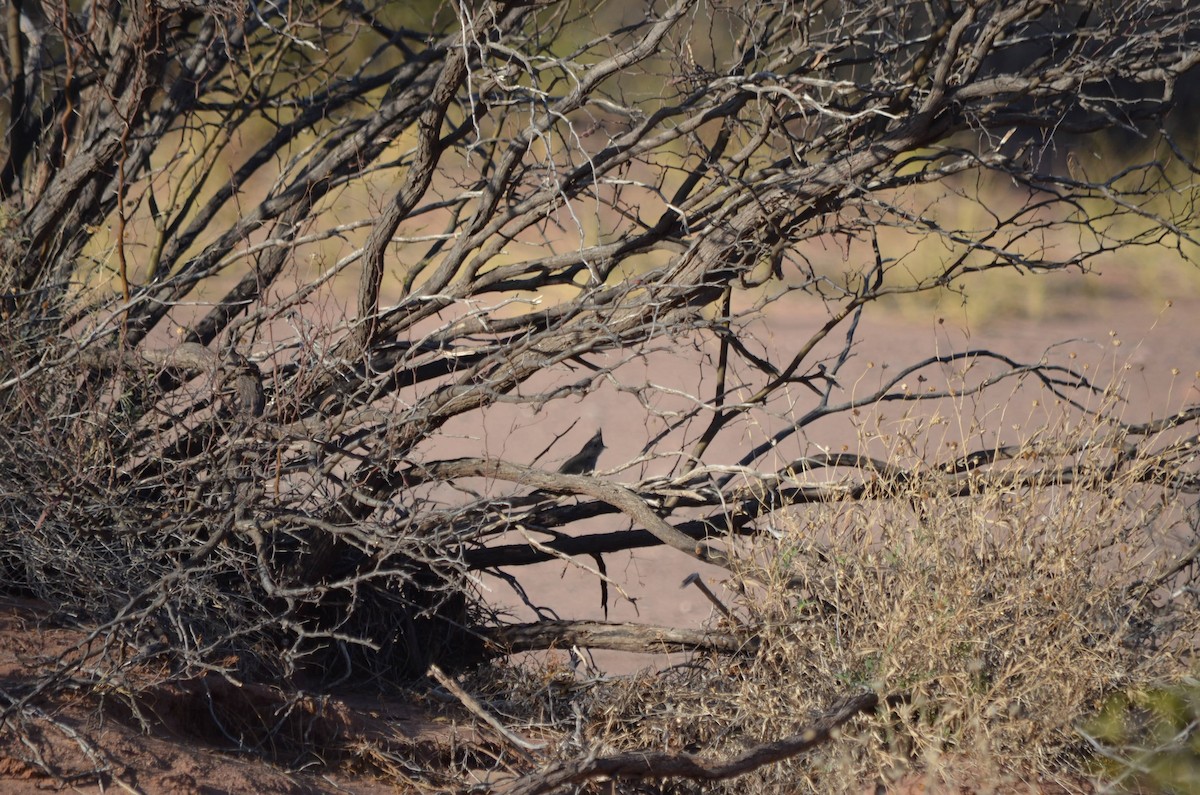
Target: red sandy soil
x,y
170,757
180,751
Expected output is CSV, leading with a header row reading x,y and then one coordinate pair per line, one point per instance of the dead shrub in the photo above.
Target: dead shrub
x,y
1004,603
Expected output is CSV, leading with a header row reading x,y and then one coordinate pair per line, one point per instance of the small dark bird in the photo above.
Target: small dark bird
x,y
584,462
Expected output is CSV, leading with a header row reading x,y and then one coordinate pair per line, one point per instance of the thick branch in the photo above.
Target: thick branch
x,y
621,498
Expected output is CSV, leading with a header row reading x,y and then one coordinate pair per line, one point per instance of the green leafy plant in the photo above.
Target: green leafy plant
x,y
1148,739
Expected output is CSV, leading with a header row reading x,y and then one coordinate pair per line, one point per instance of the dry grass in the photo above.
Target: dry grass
x,y
1007,616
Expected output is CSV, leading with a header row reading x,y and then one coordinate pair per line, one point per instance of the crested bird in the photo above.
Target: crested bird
x,y
584,462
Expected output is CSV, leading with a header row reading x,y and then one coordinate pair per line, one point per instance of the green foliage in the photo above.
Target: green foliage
x,y
1149,739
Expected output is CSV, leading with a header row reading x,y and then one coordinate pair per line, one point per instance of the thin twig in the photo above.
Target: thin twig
x,y
468,701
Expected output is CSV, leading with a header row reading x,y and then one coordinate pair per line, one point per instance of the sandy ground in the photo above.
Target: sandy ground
x,y
1156,348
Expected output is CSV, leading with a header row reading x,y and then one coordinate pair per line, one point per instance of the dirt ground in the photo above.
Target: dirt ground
x,y
1157,349
1140,340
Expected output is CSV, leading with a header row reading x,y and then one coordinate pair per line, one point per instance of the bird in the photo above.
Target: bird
x,y
584,462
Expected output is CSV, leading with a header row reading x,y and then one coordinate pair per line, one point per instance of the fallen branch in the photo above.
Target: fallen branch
x,y
616,495
641,638
659,764
522,745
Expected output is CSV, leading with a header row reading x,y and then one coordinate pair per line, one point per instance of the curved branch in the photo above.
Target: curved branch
x,y
646,764
621,498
